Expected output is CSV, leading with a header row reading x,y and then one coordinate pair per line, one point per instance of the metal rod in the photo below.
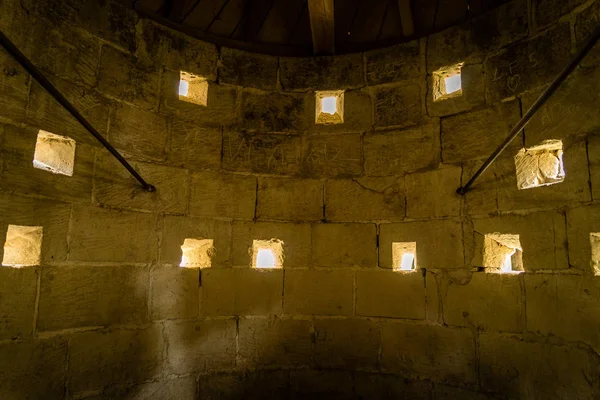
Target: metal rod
x,y
46,84
534,108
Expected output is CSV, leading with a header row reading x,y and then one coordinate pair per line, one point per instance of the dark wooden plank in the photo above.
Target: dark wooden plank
x,y
345,11
405,10
204,13
255,13
301,35
368,22
392,26
280,21
450,12
227,19
423,15
321,14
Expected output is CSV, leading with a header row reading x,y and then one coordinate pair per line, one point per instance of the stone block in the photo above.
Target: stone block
x,y
475,135
318,292
274,342
433,193
357,113
542,236
295,239
395,152
439,243
581,222
593,148
128,78
178,228
472,95
344,245
546,12
290,199
438,353
585,23
527,65
252,385
332,155
199,346
321,384
14,89
101,358
486,301
346,343
365,199
19,175
97,235
569,115
519,369
241,291
169,389
565,306
573,189
445,392
139,133
321,73
18,289
214,194
483,199
390,294
33,370
246,69
72,297
392,64
175,293
115,187
220,108
195,147
398,106
273,112
52,216
387,386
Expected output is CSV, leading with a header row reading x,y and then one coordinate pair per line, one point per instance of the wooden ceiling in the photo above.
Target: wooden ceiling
x,y
306,27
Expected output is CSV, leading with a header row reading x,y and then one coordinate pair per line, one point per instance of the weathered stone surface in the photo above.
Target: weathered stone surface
x,y
534,370
546,12
273,112
311,384
114,186
477,134
274,342
593,149
222,195
527,65
357,113
433,193
14,89
72,297
387,386
174,293
139,133
195,147
248,69
395,152
542,236
347,343
398,106
128,78
365,199
169,389
249,385
318,292
585,24
97,235
333,155
18,287
473,93
483,199
226,291
354,244
297,200
295,238
445,392
390,294
23,364
321,73
445,354
581,222
491,302
439,243
391,64
199,346
52,216
101,358
178,228
565,306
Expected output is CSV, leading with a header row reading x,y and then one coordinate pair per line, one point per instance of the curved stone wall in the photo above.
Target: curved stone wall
x,y
107,312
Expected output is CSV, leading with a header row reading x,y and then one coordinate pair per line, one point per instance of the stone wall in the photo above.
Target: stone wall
x,y
110,314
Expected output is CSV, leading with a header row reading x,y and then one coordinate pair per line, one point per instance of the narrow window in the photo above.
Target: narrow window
x,y
502,253
541,165
23,246
447,83
197,253
329,107
193,88
267,253
54,153
595,243
404,256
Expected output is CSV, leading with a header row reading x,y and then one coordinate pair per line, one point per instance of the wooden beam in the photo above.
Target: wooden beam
x,y
322,26
408,28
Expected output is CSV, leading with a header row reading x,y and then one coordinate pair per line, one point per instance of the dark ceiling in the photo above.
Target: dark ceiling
x,y
283,27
